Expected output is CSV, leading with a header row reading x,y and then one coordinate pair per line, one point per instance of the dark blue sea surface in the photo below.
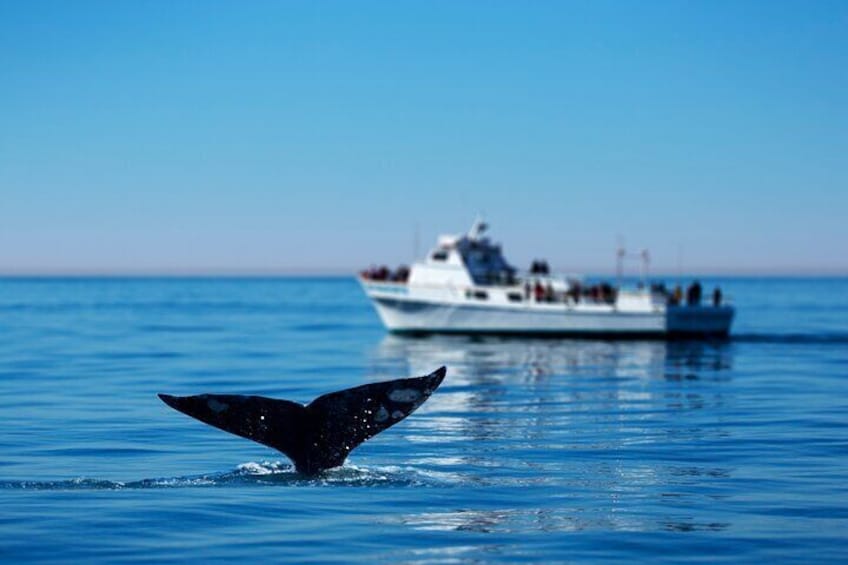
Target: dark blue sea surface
x,y
532,450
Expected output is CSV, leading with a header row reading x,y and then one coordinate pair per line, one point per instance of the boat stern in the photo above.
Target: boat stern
x,y
699,321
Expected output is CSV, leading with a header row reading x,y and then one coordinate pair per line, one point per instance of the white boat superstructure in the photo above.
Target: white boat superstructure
x,y
465,285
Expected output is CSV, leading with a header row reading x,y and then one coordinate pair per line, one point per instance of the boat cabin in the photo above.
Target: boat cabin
x,y
469,259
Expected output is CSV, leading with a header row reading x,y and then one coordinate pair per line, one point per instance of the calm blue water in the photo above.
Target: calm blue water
x,y
532,450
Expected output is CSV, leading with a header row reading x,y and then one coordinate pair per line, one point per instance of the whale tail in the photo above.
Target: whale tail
x,y
320,435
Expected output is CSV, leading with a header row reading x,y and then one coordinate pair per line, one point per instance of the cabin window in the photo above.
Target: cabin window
x,y
481,295
440,256
514,296
481,257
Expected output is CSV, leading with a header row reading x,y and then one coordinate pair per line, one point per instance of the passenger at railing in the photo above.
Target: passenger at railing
x,y
573,292
378,273
672,299
693,294
594,292
401,274
526,290
717,297
549,293
678,295
607,293
539,292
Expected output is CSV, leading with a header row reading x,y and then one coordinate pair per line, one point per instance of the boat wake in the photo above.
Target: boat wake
x,y
251,474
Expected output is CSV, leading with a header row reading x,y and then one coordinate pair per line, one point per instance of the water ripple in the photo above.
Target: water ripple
x,y
253,474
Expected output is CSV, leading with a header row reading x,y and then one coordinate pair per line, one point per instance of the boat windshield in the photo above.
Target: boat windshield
x,y
486,264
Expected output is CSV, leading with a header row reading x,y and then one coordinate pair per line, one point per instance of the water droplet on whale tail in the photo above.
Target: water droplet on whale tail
x,y
320,435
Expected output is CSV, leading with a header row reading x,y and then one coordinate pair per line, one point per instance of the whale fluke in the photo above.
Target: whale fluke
x,y
320,435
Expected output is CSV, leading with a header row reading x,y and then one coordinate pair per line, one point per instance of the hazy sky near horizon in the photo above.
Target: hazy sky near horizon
x,y
272,136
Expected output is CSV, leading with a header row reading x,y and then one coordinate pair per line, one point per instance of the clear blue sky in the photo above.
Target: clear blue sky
x,y
273,136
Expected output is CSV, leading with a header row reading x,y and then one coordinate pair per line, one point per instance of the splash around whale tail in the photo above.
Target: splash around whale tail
x,y
320,435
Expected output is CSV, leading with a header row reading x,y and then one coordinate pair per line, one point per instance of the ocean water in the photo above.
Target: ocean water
x,y
532,450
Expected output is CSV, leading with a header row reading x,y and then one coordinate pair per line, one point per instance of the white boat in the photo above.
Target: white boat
x,y
466,286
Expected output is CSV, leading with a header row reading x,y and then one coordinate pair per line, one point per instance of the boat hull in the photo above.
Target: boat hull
x,y
416,316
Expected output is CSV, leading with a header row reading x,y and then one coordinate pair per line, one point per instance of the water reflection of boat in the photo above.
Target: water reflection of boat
x,y
477,359
589,423
465,285
549,380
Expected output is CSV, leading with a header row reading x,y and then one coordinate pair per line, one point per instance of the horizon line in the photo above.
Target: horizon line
x,y
304,272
